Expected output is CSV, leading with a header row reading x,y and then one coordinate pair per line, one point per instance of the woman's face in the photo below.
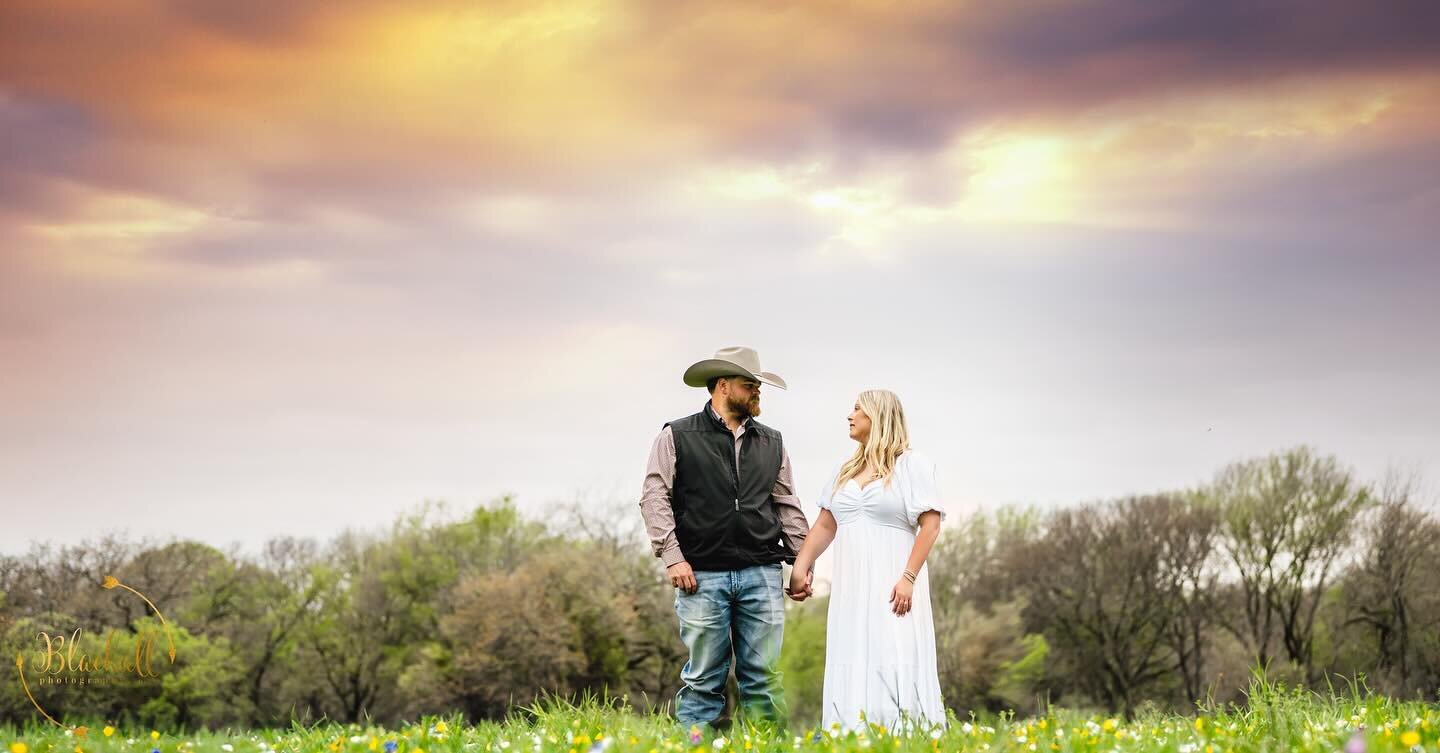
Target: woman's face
x,y
859,425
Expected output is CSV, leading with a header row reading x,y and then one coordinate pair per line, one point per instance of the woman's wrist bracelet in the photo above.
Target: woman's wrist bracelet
x,y
910,575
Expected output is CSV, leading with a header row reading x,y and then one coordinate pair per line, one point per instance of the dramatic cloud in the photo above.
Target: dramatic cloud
x,y
325,260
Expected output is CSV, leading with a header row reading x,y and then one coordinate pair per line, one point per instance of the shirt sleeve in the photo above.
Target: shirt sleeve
x,y
655,499
924,492
793,524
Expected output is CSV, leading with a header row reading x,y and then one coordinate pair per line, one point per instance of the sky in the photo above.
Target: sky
x,y
288,269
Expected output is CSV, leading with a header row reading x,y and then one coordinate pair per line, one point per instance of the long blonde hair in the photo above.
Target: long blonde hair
x,y
888,436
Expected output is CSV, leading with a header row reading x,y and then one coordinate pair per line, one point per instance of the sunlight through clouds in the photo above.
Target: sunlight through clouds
x,y
1017,178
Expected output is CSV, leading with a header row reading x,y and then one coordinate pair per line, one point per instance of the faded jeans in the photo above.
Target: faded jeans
x,y
732,611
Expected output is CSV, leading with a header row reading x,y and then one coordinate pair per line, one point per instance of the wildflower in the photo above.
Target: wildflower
x,y
78,750
228,748
1200,724
694,735
108,731
18,747
1410,739
390,746
374,743
1109,725
718,743
601,745
440,726
1357,742
154,735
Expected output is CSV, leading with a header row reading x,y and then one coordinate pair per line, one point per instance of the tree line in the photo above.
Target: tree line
x,y
1287,565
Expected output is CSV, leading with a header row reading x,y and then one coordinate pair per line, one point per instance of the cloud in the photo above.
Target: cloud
x,y
531,94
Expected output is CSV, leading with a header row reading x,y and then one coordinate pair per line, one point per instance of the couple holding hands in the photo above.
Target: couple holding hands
x,y
722,515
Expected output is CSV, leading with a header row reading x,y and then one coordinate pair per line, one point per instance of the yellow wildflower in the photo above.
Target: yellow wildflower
x,y
1410,739
154,735
18,747
1109,725
440,726
1199,724
108,731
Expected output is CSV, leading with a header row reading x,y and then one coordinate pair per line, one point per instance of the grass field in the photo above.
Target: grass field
x,y
1274,720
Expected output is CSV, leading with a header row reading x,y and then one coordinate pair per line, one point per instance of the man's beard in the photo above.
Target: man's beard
x,y
749,408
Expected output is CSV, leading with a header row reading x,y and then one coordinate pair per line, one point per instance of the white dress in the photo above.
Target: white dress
x,y
875,662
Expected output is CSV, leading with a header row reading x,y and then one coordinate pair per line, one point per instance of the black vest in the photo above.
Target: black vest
x,y
725,516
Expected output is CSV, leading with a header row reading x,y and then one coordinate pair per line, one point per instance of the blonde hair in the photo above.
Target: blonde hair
x,y
888,436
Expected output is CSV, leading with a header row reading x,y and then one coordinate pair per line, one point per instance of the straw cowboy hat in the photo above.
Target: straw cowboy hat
x,y
737,361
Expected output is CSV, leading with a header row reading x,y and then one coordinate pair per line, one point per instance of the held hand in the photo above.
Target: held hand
x,y
900,597
682,577
799,588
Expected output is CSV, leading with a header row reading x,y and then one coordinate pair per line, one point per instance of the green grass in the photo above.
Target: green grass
x,y
1274,720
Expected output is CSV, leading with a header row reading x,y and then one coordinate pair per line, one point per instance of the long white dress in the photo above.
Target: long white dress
x,y
877,663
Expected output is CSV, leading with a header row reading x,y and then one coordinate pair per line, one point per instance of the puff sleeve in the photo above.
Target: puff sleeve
x,y
923,492
829,490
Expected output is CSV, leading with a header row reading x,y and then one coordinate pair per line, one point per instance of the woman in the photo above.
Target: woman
x,y
883,512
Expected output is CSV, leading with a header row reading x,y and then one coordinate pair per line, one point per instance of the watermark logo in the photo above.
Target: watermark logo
x,y
61,660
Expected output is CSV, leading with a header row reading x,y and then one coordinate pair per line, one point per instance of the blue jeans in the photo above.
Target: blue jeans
x,y
739,611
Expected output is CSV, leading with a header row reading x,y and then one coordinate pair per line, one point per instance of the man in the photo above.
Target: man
x,y
722,515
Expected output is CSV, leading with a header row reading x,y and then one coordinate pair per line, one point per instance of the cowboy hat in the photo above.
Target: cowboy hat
x,y
738,361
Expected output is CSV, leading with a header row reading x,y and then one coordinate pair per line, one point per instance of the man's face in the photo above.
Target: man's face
x,y
743,396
